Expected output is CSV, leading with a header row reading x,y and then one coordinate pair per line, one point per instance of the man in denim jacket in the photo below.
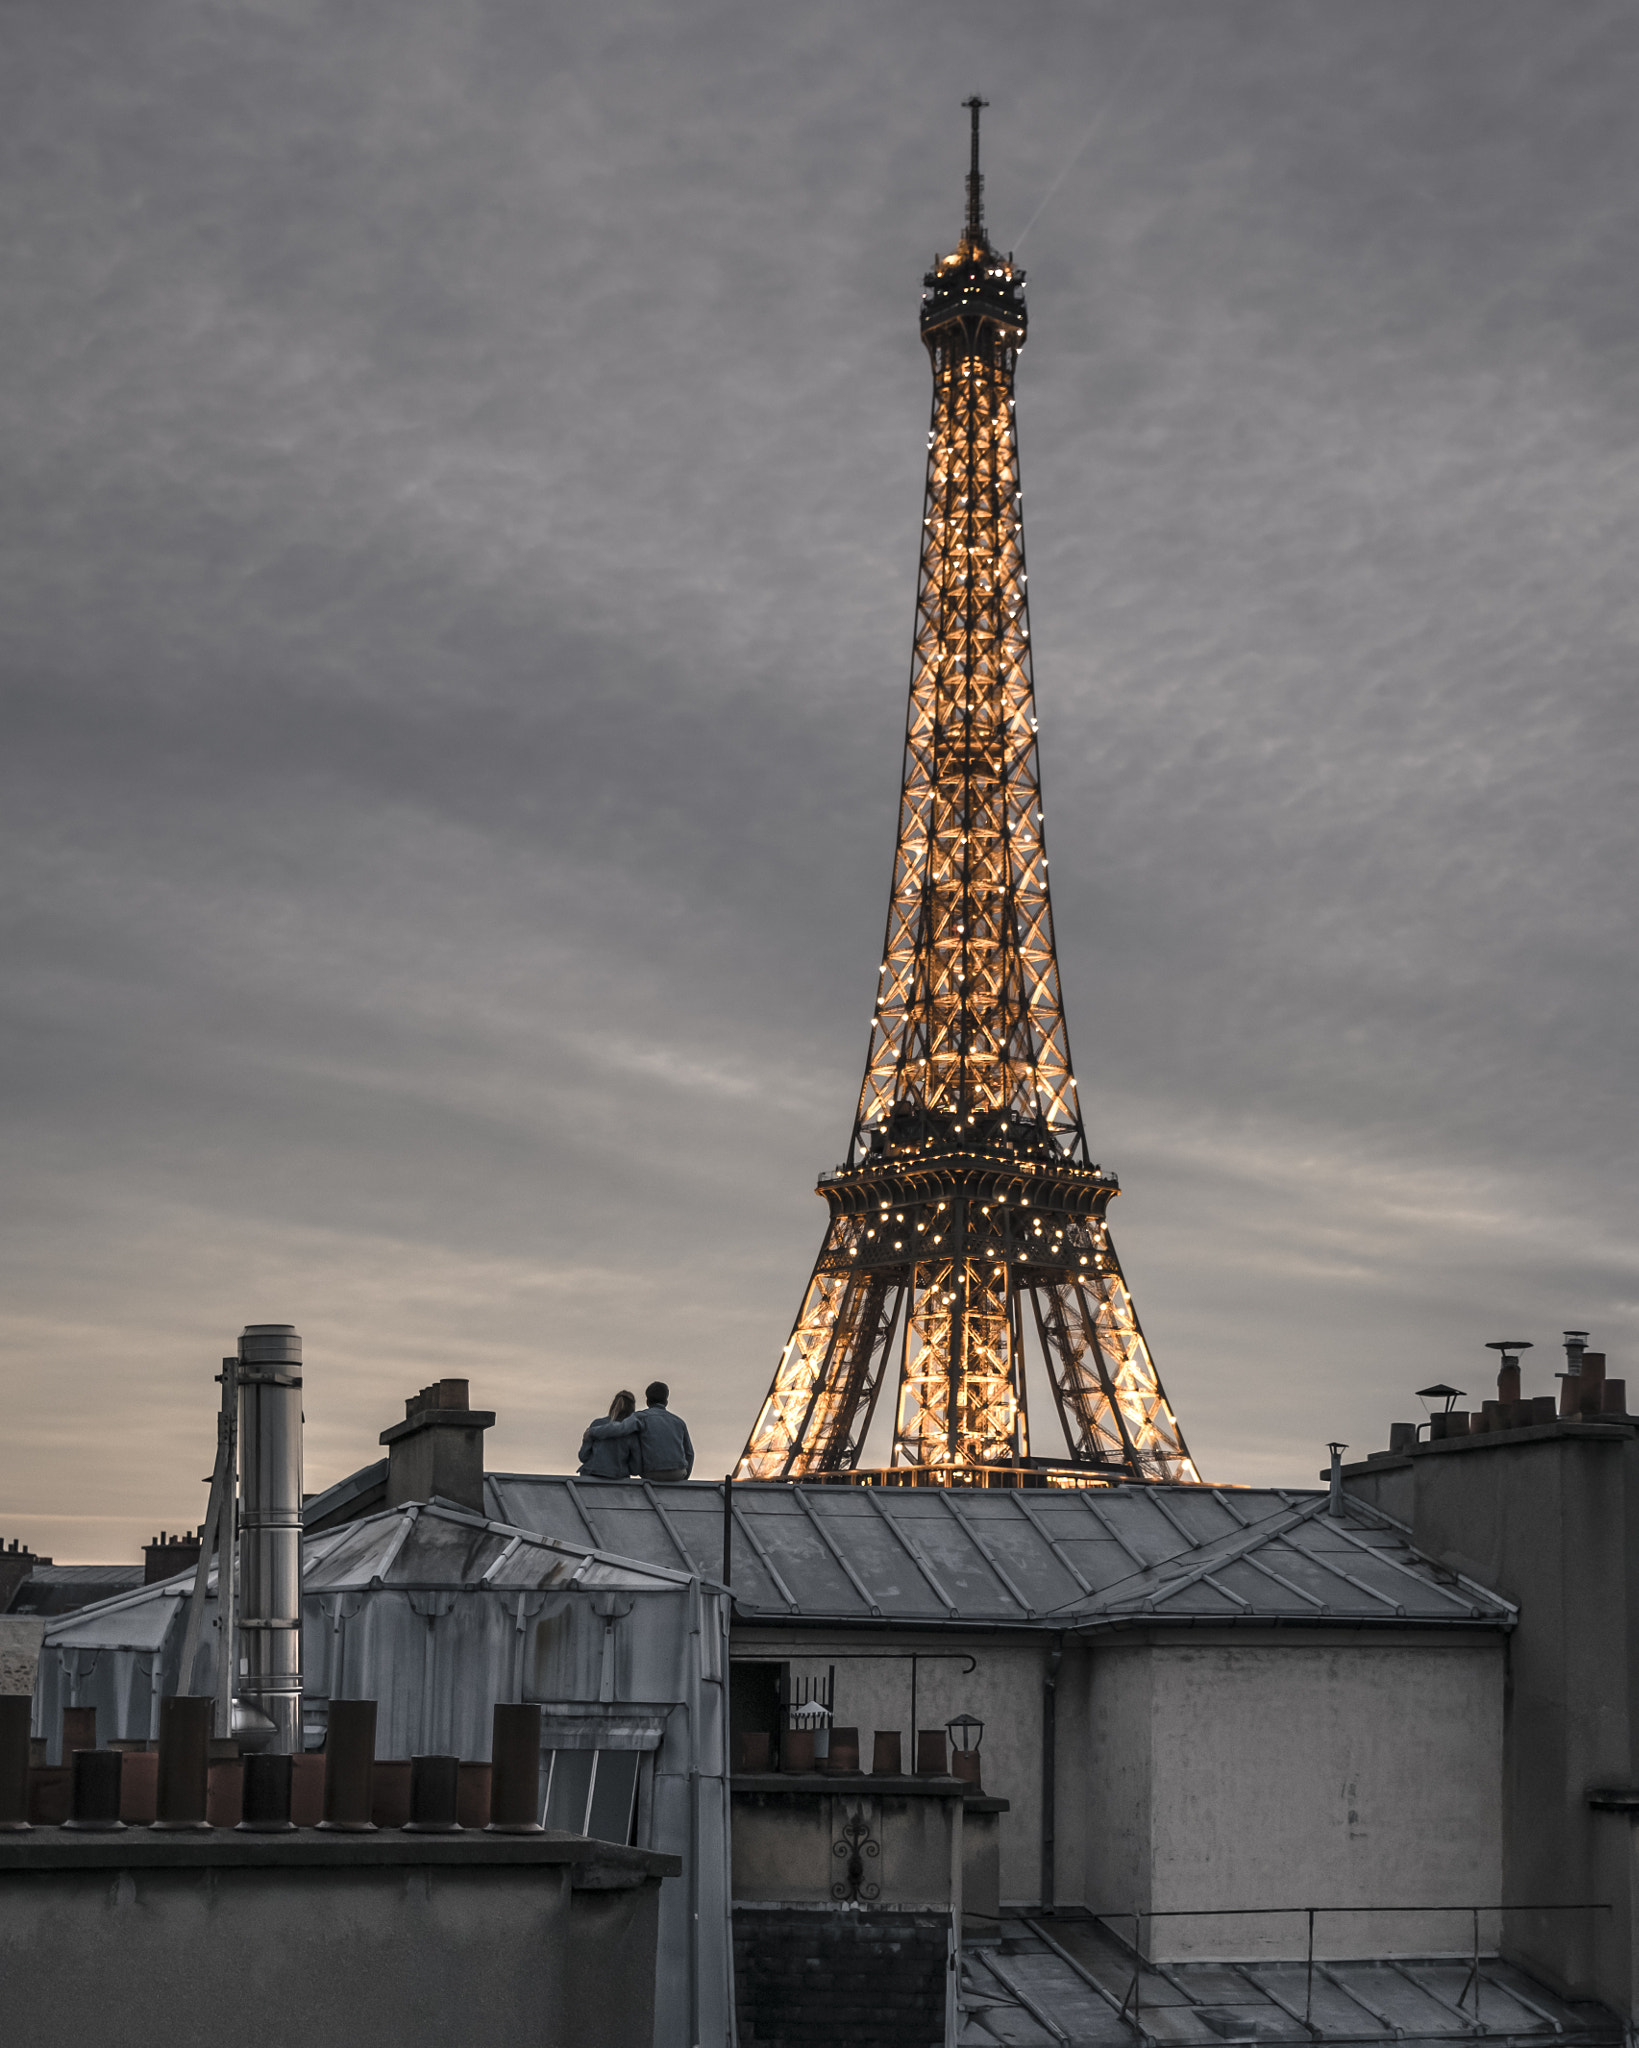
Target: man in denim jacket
x,y
663,1438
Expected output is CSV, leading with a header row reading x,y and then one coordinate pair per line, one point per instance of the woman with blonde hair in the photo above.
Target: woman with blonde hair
x,y
609,1449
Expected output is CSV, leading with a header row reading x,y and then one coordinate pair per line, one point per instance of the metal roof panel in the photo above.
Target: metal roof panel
x,y
1059,1558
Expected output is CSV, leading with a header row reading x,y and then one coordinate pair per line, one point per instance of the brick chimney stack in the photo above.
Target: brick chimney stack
x,y
438,1448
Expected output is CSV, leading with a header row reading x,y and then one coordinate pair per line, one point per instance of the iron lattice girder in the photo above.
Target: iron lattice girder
x,y
970,1012
967,1115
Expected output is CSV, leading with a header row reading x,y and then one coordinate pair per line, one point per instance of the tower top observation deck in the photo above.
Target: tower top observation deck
x,y
974,287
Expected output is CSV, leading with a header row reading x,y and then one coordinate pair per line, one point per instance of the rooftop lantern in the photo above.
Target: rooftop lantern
x,y
966,1732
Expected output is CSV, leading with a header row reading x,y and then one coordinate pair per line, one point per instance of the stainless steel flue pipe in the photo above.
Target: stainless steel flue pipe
x,y
270,1529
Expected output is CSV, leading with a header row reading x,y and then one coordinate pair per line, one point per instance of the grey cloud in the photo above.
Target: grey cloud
x,y
463,469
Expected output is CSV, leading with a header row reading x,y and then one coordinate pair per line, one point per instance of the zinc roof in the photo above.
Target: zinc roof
x,y
1060,1559
417,1547
135,1619
443,1546
60,1588
1074,1979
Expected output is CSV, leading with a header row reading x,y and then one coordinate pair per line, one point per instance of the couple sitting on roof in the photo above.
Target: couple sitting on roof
x,y
626,1445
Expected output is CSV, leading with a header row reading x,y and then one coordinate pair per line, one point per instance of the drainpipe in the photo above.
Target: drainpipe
x,y
1049,1769
697,1603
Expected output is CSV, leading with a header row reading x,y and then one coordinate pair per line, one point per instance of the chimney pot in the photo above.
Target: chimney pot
x,y
515,1770
349,1767
94,1800
930,1753
887,1753
266,1796
183,1787
435,1796
79,1730
15,1709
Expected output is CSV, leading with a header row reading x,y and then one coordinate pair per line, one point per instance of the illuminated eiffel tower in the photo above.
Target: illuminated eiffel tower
x,y
968,1212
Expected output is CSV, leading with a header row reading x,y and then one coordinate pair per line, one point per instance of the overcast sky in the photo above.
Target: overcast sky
x,y
462,472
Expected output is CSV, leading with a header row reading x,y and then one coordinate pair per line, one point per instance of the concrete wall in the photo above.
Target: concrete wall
x,y
436,1659
1339,1768
1352,1771
869,1967
176,1942
1549,1517
786,1832
19,1651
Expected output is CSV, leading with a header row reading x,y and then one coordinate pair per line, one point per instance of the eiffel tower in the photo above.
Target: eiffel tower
x,y
969,1212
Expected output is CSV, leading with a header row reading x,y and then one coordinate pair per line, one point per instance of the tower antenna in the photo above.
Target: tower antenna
x,y
975,183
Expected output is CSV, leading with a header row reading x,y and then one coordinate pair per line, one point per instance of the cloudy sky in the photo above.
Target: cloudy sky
x,y
462,468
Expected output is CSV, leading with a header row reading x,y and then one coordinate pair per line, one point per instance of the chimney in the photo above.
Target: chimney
x,y
438,1448
1590,1384
1507,1411
16,1566
168,1555
268,1374
1334,1505
1570,1389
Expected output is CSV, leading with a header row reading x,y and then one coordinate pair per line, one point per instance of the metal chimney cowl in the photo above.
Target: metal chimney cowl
x,y
270,1522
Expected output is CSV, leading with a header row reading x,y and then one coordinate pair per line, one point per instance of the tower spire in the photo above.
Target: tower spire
x,y
975,183
968,1217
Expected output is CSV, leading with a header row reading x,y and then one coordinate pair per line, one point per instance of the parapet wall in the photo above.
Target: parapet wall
x,y
378,1941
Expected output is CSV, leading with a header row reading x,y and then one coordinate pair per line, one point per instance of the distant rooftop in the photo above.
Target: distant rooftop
x,y
61,1588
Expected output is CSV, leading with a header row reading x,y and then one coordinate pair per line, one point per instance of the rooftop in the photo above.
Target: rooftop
x,y
942,1558
1070,1559
1073,1979
60,1588
408,1548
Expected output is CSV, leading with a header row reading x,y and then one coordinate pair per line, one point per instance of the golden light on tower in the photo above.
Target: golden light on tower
x,y
968,1189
